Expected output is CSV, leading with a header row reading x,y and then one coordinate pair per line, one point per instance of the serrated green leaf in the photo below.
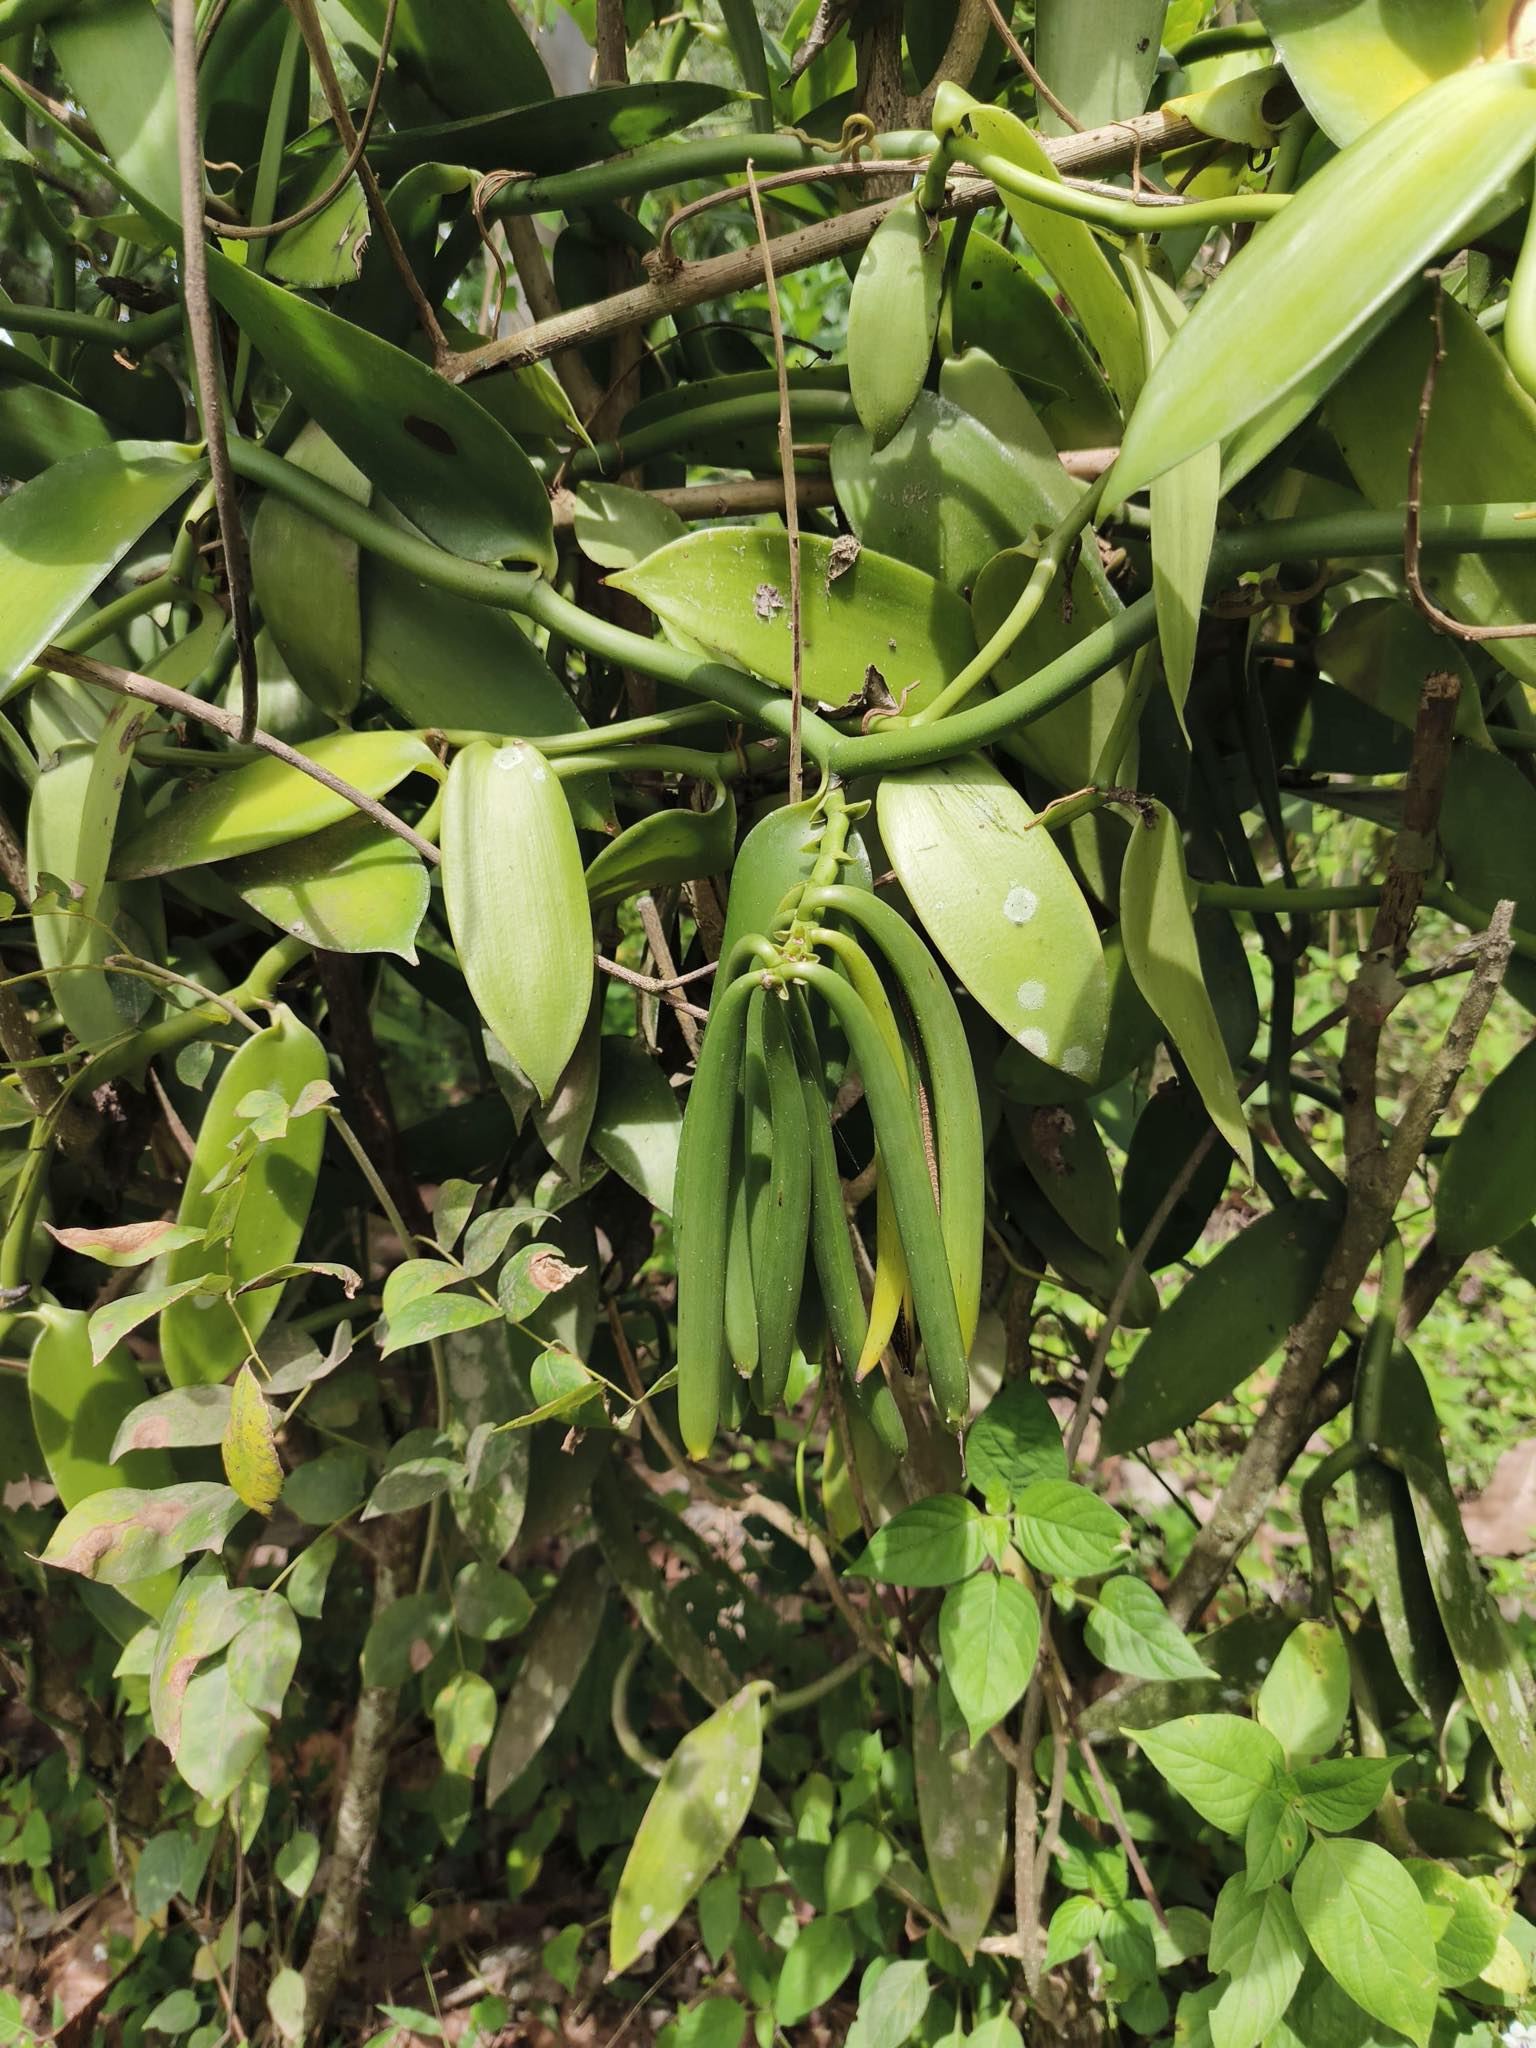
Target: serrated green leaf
x,y
1304,1700
1273,1840
935,1542
1074,1926
1341,1792
989,1632
1362,1913
1066,1530
1218,1762
1129,1629
1467,1923
1256,1941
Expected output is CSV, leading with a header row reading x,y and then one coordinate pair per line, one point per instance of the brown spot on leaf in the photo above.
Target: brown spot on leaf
x,y
431,435
767,602
842,556
549,1272
420,1655
152,1434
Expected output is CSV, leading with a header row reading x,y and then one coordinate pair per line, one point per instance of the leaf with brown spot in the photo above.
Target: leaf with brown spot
x,y
249,1447
124,1533
127,1244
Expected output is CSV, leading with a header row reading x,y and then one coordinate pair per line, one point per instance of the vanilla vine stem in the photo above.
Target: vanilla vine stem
x,y
1361,532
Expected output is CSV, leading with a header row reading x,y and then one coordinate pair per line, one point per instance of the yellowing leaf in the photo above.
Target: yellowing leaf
x,y
251,1463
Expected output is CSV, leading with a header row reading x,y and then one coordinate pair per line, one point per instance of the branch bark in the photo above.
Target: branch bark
x,y
692,284
1377,1174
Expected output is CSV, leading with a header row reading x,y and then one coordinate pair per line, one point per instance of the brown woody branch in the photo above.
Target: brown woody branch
x,y
147,691
1377,1174
692,284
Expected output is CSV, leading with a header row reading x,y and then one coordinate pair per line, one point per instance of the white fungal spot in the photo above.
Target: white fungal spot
x,y
1074,1059
1031,995
1035,1041
647,1913
1020,904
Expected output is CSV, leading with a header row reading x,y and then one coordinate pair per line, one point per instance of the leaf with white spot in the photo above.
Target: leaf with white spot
x,y
999,902
694,1816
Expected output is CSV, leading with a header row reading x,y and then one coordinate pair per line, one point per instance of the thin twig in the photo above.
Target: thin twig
x,y
1413,513
204,340
662,259
661,953
147,691
310,28
791,502
235,233
1098,149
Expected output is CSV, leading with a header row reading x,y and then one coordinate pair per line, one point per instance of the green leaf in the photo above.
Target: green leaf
x,y
1465,136
1067,1531
435,1315
1273,1840
557,1648
1099,57
403,1640
305,574
63,532
989,1632
889,2014
1129,1629
964,1798
893,317
508,838
1164,956
203,1617
616,527
935,1542
1363,1915
1493,1670
1304,1700
81,1408
444,661
637,1124
287,2000
263,1657
177,2013
999,306
819,1959
1466,1921
464,1715
449,467
1222,1324
489,1603
296,1862
1487,1185
857,1860
1015,1440
669,846
251,1463
221,1736
420,1466
727,589
1254,1939
555,134
694,1816
1342,1791
1001,906
1067,247
529,1278
1184,501
354,888
267,803
1352,65
477,60
949,490
117,59
1074,1927
712,2023
1219,1763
